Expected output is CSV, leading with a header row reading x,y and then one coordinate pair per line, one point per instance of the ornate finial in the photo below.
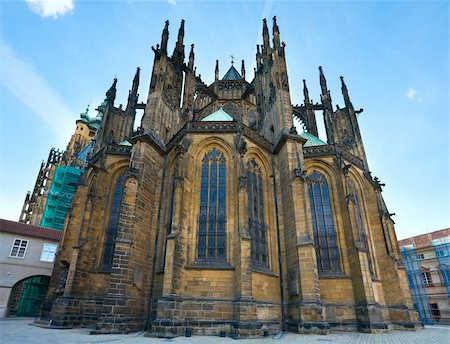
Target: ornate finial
x,y
111,93
217,70
345,93
232,59
164,38
305,92
323,82
178,52
266,45
191,58
276,34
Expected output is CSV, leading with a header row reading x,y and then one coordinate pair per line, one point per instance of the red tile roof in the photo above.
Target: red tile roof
x,y
29,230
424,240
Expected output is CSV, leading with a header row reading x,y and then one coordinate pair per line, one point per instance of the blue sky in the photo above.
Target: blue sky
x,y
57,57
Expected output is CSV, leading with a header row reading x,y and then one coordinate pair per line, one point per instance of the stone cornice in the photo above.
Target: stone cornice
x,y
152,139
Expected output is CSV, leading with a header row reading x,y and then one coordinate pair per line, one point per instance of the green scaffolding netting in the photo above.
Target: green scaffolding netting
x,y
60,196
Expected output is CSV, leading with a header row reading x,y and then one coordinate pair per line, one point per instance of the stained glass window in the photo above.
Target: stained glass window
x,y
111,230
211,239
256,221
323,228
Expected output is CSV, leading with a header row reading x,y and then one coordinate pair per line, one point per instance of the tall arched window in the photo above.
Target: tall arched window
x,y
256,222
353,195
111,230
212,241
323,228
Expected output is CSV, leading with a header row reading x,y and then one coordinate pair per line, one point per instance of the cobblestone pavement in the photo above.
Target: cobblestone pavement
x,y
20,331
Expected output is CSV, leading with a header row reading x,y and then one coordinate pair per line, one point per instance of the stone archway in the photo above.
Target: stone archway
x,y
27,296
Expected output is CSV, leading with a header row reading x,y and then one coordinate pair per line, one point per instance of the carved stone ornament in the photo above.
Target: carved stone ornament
x,y
244,233
241,145
178,181
284,81
299,173
272,94
242,182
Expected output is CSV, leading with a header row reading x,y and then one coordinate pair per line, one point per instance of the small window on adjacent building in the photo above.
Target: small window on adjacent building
x,y
48,253
18,248
440,253
420,256
426,278
435,312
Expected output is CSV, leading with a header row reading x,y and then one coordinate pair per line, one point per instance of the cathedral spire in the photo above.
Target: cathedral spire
x,y
133,94
306,93
266,44
344,89
165,38
178,52
323,82
243,70
217,70
111,93
191,58
258,56
276,34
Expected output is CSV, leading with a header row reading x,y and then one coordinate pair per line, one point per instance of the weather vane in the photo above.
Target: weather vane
x,y
232,59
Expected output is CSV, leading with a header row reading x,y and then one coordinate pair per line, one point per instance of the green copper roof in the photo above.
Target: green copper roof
x,y
312,140
218,116
232,74
125,143
93,122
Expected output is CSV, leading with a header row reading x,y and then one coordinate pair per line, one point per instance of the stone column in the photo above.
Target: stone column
x,y
311,310
244,308
122,313
370,315
170,273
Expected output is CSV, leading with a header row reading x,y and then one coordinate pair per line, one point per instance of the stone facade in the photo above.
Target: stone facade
x,y
161,235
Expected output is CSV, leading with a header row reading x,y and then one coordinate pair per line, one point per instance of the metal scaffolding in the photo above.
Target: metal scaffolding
x,y
442,250
416,284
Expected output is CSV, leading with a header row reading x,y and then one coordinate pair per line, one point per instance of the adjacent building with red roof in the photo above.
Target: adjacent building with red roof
x,y
27,255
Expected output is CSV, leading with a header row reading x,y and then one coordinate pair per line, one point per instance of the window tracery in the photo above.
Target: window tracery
x,y
363,238
211,238
111,230
256,221
325,238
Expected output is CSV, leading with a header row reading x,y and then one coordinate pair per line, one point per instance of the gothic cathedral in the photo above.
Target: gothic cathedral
x,y
218,216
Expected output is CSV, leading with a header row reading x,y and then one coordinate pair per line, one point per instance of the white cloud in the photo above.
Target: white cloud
x,y
412,93
31,89
172,2
51,8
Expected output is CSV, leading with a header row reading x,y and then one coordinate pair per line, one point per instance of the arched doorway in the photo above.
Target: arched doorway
x,y
27,296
